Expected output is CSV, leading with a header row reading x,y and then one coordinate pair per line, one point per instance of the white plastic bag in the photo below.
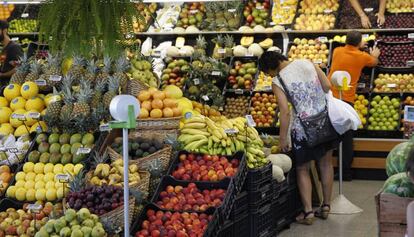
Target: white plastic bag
x,y
343,116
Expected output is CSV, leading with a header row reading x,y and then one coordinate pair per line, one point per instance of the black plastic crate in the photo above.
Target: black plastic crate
x,y
281,207
295,202
226,229
241,226
240,207
240,176
279,188
262,196
261,219
256,178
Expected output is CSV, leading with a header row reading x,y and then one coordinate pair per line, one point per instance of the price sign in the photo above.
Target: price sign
x,y
221,51
34,115
55,78
156,53
230,131
63,178
272,23
411,35
361,85
410,63
83,150
2,149
12,149
391,85
260,7
238,91
231,10
249,54
365,36
368,9
40,82
250,121
327,11
205,98
267,88
193,11
409,113
317,61
221,108
104,128
15,39
323,39
20,117
196,81
216,73
34,207
25,15
168,29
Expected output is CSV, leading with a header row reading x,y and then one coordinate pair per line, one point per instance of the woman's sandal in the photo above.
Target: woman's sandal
x,y
323,211
306,220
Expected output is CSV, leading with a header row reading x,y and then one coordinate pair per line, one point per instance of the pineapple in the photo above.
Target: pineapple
x,y
113,87
68,98
201,45
228,43
53,109
21,71
219,44
77,69
121,67
65,122
81,106
155,169
78,182
98,93
53,69
35,71
106,70
91,71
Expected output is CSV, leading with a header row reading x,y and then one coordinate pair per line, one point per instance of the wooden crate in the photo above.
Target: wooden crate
x,y
391,214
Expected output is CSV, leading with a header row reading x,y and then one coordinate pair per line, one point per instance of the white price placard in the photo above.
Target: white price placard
x,y
238,91
12,149
104,127
63,178
55,78
196,81
317,61
193,11
392,85
216,73
323,39
15,39
260,7
361,85
411,36
221,51
83,150
409,113
231,131
40,82
231,10
34,207
368,9
410,63
25,15
249,54
250,121
327,11
205,98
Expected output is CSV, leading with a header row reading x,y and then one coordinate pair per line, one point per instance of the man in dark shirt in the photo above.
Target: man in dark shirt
x,y
10,54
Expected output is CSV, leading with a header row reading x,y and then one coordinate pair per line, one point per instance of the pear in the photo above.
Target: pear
x,y
50,226
83,214
65,232
70,215
77,233
42,233
86,230
59,224
98,231
88,223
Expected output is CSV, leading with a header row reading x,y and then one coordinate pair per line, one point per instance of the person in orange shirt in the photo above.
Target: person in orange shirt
x,y
352,59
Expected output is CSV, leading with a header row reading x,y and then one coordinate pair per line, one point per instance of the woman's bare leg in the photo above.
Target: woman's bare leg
x,y
327,175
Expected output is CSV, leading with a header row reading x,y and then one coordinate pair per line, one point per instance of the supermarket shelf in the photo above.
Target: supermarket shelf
x,y
365,163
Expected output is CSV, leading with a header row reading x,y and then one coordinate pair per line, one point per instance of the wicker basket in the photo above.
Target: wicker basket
x,y
161,124
115,218
135,87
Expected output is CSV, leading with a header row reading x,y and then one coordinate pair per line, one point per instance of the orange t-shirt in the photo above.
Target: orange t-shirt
x,y
349,58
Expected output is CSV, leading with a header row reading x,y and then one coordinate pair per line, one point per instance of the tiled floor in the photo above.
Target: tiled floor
x,y
359,192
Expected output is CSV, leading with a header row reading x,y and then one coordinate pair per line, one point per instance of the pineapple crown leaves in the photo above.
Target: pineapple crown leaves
x,y
99,159
107,64
83,123
92,67
113,84
201,42
85,92
36,67
100,86
219,40
229,41
155,168
78,182
78,61
171,139
122,64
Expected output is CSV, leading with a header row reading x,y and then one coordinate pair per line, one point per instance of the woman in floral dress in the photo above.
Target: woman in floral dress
x,y
307,85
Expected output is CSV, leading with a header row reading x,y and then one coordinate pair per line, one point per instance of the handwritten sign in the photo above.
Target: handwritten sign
x,y
83,150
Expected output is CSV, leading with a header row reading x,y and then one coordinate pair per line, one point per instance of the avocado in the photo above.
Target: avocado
x,y
138,153
66,158
145,154
152,150
34,156
55,158
44,158
145,146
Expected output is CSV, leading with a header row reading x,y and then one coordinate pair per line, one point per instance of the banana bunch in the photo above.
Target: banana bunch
x,y
113,174
223,137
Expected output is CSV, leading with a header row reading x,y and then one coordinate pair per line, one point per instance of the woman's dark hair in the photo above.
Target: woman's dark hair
x,y
4,25
353,38
271,60
409,165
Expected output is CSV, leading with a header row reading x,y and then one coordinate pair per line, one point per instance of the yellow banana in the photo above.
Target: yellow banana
x,y
215,139
194,125
98,170
195,131
194,138
195,119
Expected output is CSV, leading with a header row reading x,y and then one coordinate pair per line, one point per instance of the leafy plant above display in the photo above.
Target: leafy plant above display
x,y
85,26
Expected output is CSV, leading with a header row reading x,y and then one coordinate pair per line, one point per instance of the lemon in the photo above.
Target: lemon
x,y
11,91
50,184
77,168
29,184
39,184
29,89
39,177
35,103
28,167
30,176
48,168
31,195
11,192
40,194
6,129
21,131
49,177
20,194
3,102
59,192
20,183
51,194
5,113
38,168
68,168
58,169
20,176
17,103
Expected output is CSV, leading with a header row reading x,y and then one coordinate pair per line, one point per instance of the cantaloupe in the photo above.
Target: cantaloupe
x,y
281,160
277,173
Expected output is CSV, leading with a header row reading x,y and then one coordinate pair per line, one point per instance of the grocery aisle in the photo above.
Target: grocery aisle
x,y
362,193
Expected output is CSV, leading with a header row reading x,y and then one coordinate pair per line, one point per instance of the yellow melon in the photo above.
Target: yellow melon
x,y
5,113
35,103
29,89
17,103
11,91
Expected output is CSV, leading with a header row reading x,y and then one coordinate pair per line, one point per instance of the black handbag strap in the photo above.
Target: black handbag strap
x,y
287,93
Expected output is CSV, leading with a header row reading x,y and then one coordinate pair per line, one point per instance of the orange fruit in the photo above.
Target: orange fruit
x,y
156,113
170,103
157,104
158,95
4,169
167,112
146,105
176,112
144,96
143,113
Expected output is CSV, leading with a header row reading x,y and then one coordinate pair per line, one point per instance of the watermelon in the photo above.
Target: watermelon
x,y
399,184
397,158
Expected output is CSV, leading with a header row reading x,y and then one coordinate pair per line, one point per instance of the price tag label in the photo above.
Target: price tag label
x,y
410,63
15,39
193,11
411,35
238,91
168,29
63,178
409,113
221,51
34,207
365,36
25,15
12,149
205,98
317,61
392,85
2,149
267,88
34,115
104,128
250,121
323,39
249,54
286,8
231,131
272,23
361,85
260,7
20,117
156,53
327,11
83,150
196,81
40,82
216,73
55,78
368,9
231,10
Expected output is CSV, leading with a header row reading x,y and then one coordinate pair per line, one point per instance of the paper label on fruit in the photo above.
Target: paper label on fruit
x,y
391,85
221,51
104,128
249,54
40,82
260,7
20,117
230,131
63,178
411,35
34,115
15,39
410,63
34,207
205,98
327,11
231,10
323,39
368,9
216,73
196,81
250,121
317,61
56,78
194,11
83,150
361,85
238,91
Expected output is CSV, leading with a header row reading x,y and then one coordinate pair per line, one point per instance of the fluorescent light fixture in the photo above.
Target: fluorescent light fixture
x,y
21,2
